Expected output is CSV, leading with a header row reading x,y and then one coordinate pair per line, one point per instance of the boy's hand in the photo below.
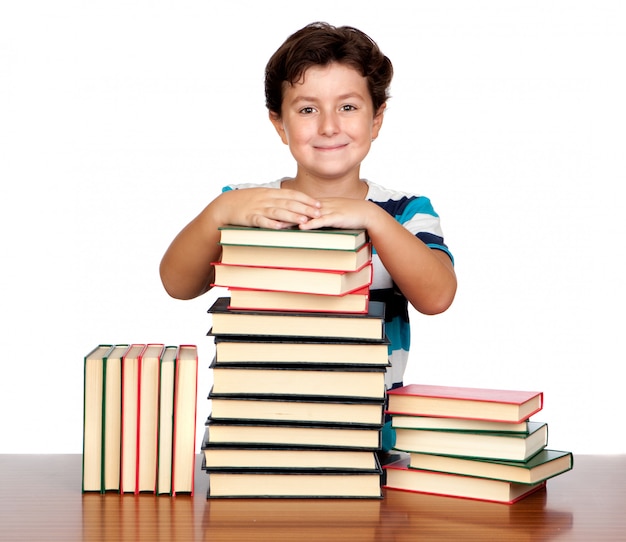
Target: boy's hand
x,y
343,213
266,208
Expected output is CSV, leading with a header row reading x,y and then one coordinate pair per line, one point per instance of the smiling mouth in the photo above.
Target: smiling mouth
x,y
331,147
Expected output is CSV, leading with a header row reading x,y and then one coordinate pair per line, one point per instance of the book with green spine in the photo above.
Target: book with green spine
x,y
546,464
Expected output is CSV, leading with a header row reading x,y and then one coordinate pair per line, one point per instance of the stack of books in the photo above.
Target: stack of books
x,y
139,421
473,443
298,392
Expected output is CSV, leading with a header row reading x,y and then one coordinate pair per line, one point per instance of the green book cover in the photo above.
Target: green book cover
x,y
93,391
329,238
545,464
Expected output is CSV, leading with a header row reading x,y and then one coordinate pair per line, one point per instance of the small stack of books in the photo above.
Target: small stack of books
x,y
474,443
298,392
139,422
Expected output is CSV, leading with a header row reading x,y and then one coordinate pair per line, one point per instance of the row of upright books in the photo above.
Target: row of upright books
x,y
471,442
139,420
298,392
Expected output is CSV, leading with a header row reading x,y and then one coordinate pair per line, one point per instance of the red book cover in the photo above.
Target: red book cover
x,y
130,417
185,397
297,280
399,476
251,299
471,403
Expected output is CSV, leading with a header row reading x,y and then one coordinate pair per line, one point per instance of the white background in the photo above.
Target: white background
x,y
120,120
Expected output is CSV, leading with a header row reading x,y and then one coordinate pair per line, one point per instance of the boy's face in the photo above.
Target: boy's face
x,y
328,121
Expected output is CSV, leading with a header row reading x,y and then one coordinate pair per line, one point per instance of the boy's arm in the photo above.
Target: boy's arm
x,y
186,270
425,276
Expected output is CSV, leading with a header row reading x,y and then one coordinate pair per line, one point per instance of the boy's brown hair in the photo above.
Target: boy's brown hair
x,y
319,44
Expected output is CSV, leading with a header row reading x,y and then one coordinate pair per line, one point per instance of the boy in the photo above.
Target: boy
x,y
326,90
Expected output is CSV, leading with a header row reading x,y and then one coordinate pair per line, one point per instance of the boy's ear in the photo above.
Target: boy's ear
x,y
378,120
276,120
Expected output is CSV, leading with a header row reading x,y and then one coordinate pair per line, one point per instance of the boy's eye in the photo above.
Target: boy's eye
x,y
348,107
307,110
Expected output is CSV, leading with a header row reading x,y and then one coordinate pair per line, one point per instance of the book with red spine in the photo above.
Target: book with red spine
x,y
185,398
298,280
511,406
399,476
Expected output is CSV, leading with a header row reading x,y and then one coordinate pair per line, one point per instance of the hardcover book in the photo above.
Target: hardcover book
x,y
112,423
546,464
302,410
251,299
297,258
130,418
505,446
93,398
400,476
370,326
148,418
185,398
311,381
471,403
326,238
286,351
305,281
456,424
166,420
242,432
219,457
294,484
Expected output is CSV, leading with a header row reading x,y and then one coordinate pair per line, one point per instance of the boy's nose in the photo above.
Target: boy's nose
x,y
329,123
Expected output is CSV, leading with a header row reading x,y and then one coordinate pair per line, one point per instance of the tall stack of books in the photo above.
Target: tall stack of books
x,y
473,443
298,392
139,420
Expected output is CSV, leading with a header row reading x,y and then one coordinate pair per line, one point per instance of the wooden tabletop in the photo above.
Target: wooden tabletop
x,y
40,500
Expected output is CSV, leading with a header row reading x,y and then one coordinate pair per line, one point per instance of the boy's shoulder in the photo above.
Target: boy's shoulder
x,y
401,204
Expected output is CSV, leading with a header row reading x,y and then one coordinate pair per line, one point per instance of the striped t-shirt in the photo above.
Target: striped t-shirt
x,y
417,215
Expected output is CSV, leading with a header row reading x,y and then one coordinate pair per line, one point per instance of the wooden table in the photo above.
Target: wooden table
x,y
40,500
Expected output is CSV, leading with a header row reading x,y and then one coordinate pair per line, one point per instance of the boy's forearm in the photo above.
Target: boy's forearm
x,y
186,270
424,275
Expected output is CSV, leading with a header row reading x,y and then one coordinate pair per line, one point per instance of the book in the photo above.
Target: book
x,y
185,399
287,410
326,238
305,281
326,381
285,351
399,476
252,299
280,458
166,420
148,418
457,424
93,398
242,432
542,466
489,445
471,403
112,412
130,416
370,326
297,258
315,484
